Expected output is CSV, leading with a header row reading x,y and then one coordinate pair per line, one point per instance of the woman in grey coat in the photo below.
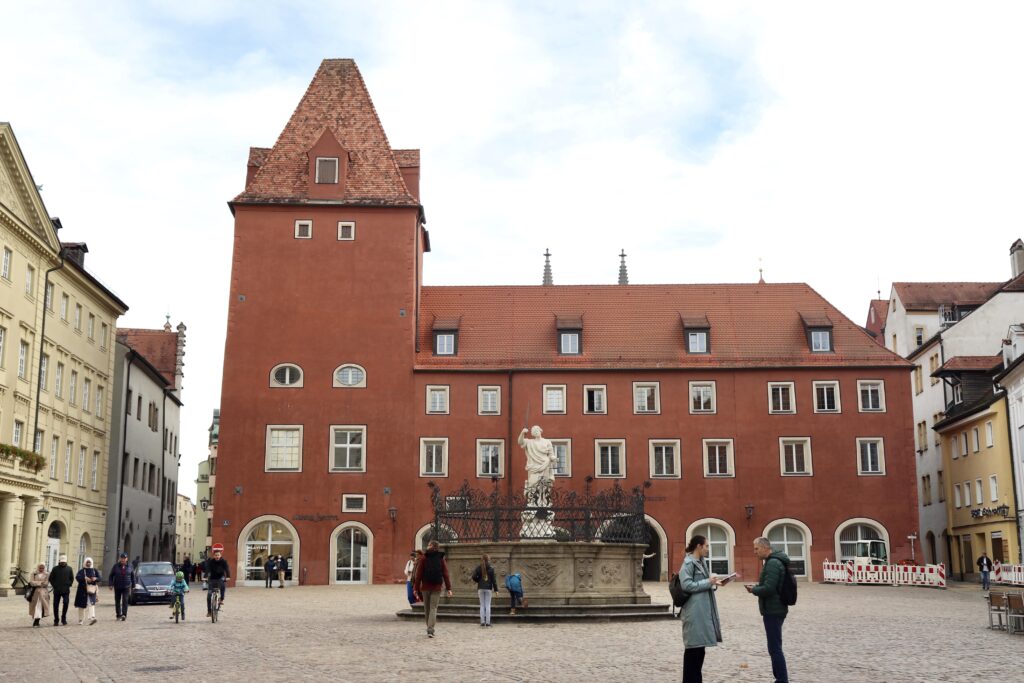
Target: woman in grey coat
x,y
701,627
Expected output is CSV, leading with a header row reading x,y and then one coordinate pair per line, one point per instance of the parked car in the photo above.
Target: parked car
x,y
153,583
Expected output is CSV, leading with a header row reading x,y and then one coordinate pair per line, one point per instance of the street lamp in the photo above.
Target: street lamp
x,y
170,519
393,513
749,507
204,503
42,513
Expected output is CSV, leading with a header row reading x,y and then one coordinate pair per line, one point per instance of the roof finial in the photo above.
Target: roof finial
x,y
547,268
167,325
760,272
623,276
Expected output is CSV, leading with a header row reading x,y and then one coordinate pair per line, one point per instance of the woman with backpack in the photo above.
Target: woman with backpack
x,y
701,626
431,577
486,584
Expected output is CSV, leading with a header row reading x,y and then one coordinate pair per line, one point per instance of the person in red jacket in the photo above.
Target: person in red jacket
x,y
431,577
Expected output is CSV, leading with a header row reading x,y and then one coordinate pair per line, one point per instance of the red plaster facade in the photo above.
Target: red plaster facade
x,y
321,302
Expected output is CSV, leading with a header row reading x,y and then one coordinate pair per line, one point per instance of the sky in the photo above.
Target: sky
x,y
845,145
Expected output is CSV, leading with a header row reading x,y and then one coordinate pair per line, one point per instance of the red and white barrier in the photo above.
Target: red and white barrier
x,y
930,576
1008,574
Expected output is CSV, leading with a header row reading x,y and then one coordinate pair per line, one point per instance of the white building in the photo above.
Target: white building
x,y
184,528
1012,380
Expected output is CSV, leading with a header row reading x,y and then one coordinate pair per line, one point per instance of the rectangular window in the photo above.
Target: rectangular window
x,y
926,491
99,403
3,343
303,229
697,341
922,436
821,341
976,439
69,450
569,343
989,436
646,397
54,453
348,448
433,457
942,487
554,399
938,437
86,386
353,503
958,393
933,365
488,401
95,470
283,448
489,457
5,271
918,379
82,451
993,488
78,317
963,444
327,170
702,397
444,344
610,457
956,495
437,400
37,443
23,360
871,395
979,497
664,458
73,388
594,399
796,456
563,454
780,398
718,458
64,299
90,326
44,371
919,336
30,280
346,231
104,331
967,494
58,381
19,427
871,456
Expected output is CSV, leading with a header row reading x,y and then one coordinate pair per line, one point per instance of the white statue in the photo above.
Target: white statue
x,y
541,460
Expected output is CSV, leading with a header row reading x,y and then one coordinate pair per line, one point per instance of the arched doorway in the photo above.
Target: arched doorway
x,y
425,535
84,548
655,566
792,538
721,539
352,554
261,538
933,557
862,537
53,541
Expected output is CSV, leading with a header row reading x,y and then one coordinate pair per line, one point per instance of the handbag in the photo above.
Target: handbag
x,y
91,589
28,593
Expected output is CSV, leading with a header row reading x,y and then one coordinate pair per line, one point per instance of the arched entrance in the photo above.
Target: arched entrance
x,y
352,554
261,538
721,540
862,537
655,566
426,535
84,548
792,537
53,541
933,557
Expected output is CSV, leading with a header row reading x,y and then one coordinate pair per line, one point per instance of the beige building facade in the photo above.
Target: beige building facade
x,y
57,327
184,528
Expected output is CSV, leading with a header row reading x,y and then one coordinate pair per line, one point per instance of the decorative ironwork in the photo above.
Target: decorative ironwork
x,y
469,515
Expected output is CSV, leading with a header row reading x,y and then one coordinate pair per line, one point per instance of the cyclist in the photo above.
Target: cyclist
x,y
179,588
217,571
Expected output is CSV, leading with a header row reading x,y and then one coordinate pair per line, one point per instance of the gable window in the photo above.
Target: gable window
x,y
554,399
594,399
286,376
611,458
283,448
444,343
352,376
489,458
569,343
348,448
780,397
488,400
795,454
351,502
563,457
646,397
434,457
826,397
871,395
702,397
303,229
718,458
346,231
871,458
327,170
437,400
664,457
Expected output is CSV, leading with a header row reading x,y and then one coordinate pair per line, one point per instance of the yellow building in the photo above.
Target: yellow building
x,y
977,472
57,327
184,528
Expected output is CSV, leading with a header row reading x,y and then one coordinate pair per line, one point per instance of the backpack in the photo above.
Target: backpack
x,y
432,572
787,586
679,596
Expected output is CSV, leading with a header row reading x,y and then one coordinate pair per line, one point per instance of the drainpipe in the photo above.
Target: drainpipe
x,y
42,340
129,357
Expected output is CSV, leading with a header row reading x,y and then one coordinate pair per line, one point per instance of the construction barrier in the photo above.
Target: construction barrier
x,y
930,576
1008,574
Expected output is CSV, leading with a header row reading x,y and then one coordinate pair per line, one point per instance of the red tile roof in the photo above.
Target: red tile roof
x,y
336,100
928,296
639,326
258,155
407,158
159,347
877,313
1014,285
978,363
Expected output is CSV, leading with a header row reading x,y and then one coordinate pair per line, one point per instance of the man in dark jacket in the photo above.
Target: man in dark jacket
x,y
121,579
186,568
61,578
431,576
270,571
985,567
769,602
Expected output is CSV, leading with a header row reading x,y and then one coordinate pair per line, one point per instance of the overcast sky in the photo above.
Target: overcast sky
x,y
846,145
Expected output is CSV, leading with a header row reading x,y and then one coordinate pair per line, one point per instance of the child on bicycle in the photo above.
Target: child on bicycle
x,y
179,588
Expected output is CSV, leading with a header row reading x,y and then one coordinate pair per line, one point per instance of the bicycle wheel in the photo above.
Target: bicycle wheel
x,y
214,607
177,609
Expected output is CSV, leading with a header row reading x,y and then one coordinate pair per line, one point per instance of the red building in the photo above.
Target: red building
x,y
753,409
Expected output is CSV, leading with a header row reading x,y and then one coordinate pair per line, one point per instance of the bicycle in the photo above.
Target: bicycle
x,y
213,599
18,578
178,608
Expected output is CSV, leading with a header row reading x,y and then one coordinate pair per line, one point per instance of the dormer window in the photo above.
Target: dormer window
x,y
570,334
958,393
327,170
569,344
697,332
697,341
818,328
821,340
446,336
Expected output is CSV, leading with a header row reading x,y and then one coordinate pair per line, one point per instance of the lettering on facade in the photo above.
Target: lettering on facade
x,y
315,518
1001,511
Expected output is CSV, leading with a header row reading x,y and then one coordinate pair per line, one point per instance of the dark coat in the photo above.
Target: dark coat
x,y
769,602
121,578
485,583
61,578
81,597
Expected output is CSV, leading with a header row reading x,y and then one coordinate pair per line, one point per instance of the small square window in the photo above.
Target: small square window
x,y
697,341
664,458
610,458
718,458
444,343
780,398
826,397
327,170
303,230
433,457
569,343
437,400
346,230
595,399
871,456
702,397
488,400
871,395
351,502
821,340
563,455
646,398
554,399
490,456
795,456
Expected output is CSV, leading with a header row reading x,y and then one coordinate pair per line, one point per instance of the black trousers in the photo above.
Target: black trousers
x,y
121,601
693,663
57,597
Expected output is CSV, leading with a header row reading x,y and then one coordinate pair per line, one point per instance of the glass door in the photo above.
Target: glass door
x,y
353,557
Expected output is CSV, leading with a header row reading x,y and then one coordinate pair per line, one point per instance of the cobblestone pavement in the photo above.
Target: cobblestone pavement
x,y
350,633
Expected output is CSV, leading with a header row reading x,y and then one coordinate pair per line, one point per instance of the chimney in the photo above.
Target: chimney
x,y
76,251
1016,258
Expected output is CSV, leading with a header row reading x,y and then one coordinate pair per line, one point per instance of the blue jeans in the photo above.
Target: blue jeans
x,y
485,605
984,580
773,630
515,598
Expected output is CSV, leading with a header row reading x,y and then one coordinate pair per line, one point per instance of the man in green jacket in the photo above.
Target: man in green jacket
x,y
769,602
61,578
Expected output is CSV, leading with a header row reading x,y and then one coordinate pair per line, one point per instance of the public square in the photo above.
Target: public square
x,y
835,633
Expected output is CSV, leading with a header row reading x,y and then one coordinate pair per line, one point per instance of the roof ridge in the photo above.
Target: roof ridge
x,y
376,117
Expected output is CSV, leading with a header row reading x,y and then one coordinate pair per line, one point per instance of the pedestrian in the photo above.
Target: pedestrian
x,y
186,568
701,626
769,602
485,587
269,571
514,586
282,567
88,579
431,576
985,567
410,573
39,602
61,578
121,581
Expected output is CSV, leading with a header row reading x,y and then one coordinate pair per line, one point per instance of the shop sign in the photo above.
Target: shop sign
x,y
1001,511
315,518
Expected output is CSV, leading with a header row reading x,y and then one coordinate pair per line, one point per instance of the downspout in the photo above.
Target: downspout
x,y
42,341
129,357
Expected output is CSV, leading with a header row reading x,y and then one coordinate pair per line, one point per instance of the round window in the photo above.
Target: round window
x,y
287,375
350,376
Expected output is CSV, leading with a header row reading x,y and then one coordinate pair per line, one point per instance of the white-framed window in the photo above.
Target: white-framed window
x,y
790,539
48,297
54,454
646,398
703,398
99,402
90,326
967,494
37,443
781,398
664,458
554,399
871,395
350,376
958,393
989,435
5,271
104,330
283,448
718,458
610,458
23,360
69,450
353,502
19,428
826,397
956,495
821,340
86,391
73,388
979,496
795,456
3,344
719,540
348,448
95,470
78,317
993,488
490,456
434,457
303,229
697,341
58,381
563,456
569,343
870,456
444,343
82,451
963,444
346,231
327,170
64,300
286,375
30,280
595,399
44,371
437,399
488,400
976,439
